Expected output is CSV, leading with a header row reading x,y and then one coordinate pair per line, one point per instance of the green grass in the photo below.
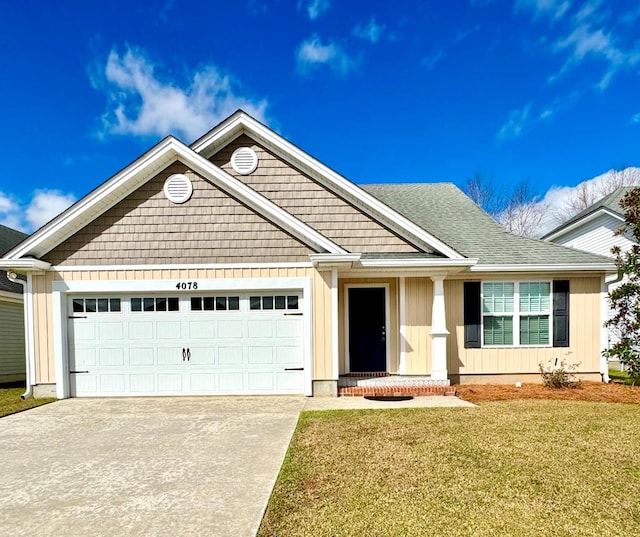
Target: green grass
x,y
10,401
621,377
520,468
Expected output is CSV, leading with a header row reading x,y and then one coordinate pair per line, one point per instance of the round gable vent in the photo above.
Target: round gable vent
x,y
244,160
178,188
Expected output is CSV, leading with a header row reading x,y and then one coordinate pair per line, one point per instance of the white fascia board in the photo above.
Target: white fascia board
x,y
324,174
255,200
584,220
574,267
417,263
26,264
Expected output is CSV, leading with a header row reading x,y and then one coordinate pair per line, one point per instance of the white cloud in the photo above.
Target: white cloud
x,y
370,31
559,203
518,120
29,216
554,9
635,118
431,61
312,53
314,8
140,104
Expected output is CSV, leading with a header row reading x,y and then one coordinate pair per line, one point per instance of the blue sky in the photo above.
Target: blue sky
x,y
380,91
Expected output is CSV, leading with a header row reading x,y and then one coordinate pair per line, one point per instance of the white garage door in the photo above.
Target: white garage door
x,y
201,344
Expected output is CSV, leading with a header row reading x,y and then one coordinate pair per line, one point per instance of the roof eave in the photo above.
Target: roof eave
x,y
560,267
567,227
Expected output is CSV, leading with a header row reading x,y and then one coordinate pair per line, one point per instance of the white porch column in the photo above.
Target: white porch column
x,y
439,330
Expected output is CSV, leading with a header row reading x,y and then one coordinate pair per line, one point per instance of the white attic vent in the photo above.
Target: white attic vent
x,y
178,188
244,160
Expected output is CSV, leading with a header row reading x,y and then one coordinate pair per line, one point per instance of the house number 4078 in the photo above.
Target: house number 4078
x,y
183,286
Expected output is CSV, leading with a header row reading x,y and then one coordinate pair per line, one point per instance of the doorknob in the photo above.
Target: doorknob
x,y
184,354
188,354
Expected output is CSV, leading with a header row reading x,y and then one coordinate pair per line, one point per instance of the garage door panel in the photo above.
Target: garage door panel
x,y
288,328
140,330
202,330
142,384
203,382
261,381
84,358
260,328
288,355
114,383
84,384
231,382
230,355
141,357
230,329
170,382
170,356
85,331
202,356
169,330
111,331
260,355
289,381
111,357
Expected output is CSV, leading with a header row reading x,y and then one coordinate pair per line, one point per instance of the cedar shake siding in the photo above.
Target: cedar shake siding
x,y
309,201
146,228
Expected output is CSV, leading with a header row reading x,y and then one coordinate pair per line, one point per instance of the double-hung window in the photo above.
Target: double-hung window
x,y
516,313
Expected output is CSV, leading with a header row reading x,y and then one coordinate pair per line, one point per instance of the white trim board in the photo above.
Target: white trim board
x,y
92,268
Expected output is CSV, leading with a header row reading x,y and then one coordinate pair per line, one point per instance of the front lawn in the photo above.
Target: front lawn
x,y
520,468
10,401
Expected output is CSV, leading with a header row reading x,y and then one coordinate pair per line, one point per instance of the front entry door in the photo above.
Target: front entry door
x,y
367,330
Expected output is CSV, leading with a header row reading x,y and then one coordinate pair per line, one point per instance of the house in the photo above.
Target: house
x,y
242,265
12,356
594,230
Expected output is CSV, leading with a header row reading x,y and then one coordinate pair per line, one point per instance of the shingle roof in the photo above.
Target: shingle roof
x,y
8,239
610,202
445,211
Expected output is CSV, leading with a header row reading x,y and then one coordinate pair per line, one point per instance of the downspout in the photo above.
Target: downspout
x,y
606,284
13,277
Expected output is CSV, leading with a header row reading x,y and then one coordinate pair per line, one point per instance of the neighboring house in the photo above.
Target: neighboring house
x,y
242,265
12,357
594,230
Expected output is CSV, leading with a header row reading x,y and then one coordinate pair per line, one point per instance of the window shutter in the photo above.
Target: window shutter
x,y
561,313
472,315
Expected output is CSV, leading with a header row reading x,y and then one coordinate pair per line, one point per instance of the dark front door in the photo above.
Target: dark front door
x,y
367,330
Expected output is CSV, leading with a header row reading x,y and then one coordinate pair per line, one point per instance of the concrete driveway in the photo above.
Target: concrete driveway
x,y
148,466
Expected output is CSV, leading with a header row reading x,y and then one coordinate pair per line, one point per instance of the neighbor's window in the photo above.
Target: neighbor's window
x,y
516,313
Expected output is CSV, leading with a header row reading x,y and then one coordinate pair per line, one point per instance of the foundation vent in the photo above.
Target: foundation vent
x,y
178,188
244,160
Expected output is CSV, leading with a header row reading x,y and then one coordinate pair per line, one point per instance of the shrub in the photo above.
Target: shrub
x,y
559,375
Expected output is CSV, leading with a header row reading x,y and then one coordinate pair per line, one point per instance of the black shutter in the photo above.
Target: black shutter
x,y
561,313
472,315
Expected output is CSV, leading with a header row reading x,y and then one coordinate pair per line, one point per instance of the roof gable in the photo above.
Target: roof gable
x,y
141,170
241,123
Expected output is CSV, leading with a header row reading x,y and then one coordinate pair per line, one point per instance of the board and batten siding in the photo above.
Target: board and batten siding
x,y
392,331
146,228
584,335
417,345
12,354
321,311
312,203
597,236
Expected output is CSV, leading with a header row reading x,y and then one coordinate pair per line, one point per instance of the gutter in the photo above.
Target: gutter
x,y
13,277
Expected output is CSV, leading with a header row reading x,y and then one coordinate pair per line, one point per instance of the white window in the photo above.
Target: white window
x,y
516,313
96,305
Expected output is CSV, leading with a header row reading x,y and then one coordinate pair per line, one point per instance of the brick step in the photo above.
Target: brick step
x,y
394,391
